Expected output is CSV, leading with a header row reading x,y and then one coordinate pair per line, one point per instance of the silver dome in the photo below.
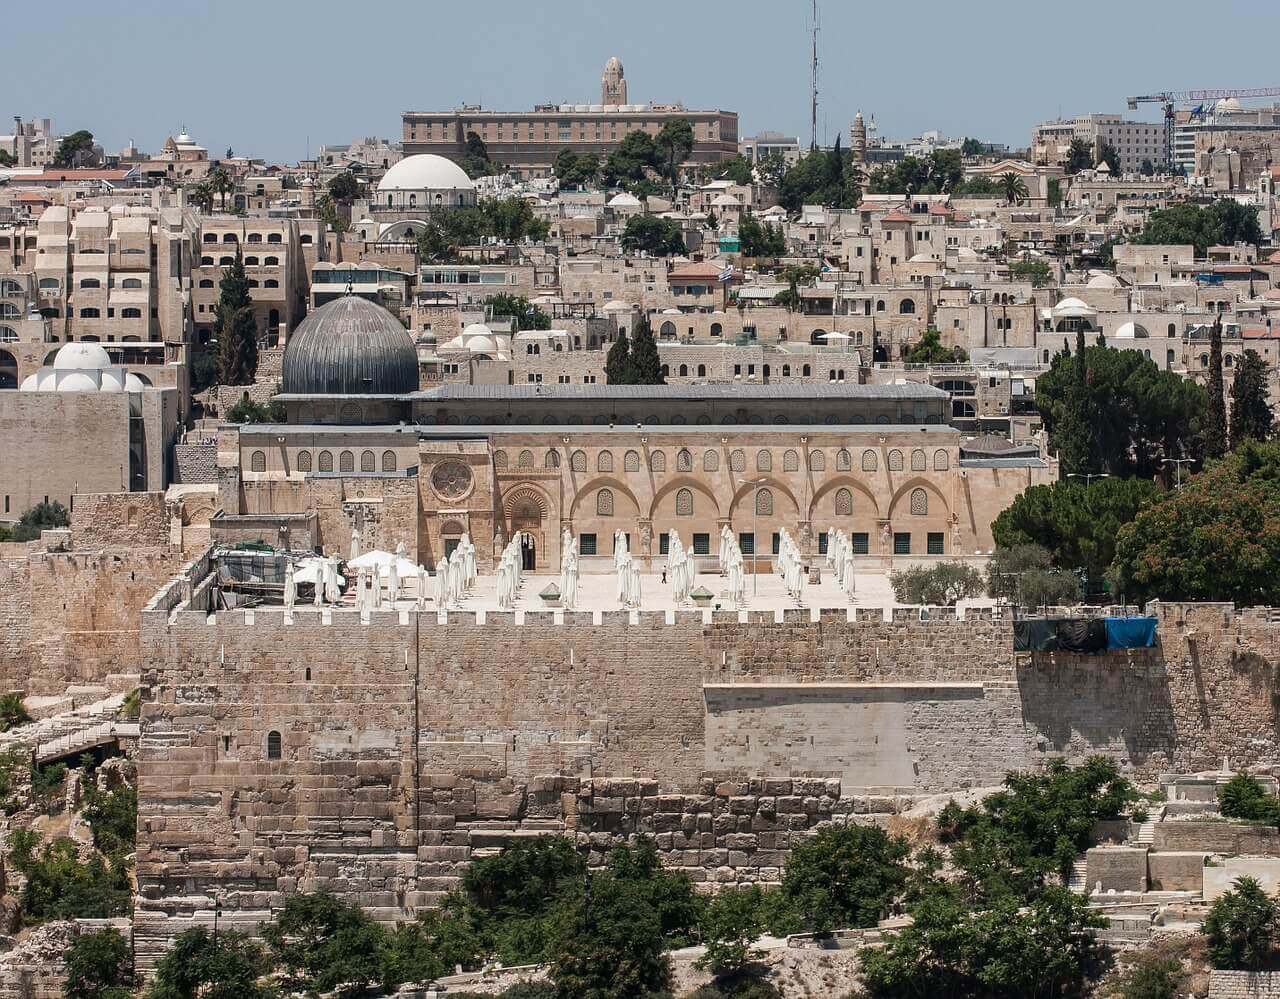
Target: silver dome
x,y
350,346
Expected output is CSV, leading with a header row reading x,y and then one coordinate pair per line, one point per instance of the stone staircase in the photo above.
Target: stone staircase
x,y
69,733
1078,882
1146,834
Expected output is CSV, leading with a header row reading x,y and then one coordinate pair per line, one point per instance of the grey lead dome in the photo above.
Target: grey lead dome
x,y
350,346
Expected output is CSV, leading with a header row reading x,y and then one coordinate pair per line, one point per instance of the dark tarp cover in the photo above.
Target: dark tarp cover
x,y
1035,634
1078,634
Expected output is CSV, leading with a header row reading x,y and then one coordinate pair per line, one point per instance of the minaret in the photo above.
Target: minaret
x,y
613,85
858,140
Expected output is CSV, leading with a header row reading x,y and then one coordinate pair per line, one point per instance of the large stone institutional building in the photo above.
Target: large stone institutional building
x,y
527,142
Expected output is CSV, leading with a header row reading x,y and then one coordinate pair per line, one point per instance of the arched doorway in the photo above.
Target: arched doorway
x,y
528,552
526,511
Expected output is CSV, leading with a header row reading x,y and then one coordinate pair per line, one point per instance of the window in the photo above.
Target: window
x,y
258,461
702,544
326,461
578,462
844,460
304,461
702,371
210,237
747,542
764,461
270,261
273,745
346,462
89,313
631,461
604,503
919,503
229,237
935,544
206,262
552,460
90,283
822,542
664,543
274,237
817,461
684,503
500,460
738,460
764,503
684,371
844,503
586,544
917,460
786,371
130,313
388,461
941,460
869,461
790,460
861,542
895,460
710,461
658,461
131,283
901,543
226,261
271,283
604,461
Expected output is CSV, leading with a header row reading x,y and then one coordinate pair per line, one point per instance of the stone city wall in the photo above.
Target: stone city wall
x,y
408,742
1244,985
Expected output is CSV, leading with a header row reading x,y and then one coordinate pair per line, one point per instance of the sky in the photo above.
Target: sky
x,y
278,78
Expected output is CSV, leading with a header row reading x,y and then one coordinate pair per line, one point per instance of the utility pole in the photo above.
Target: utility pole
x,y
813,84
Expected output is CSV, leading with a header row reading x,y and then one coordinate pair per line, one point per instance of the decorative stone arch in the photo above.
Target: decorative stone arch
x,y
785,506
899,505
584,500
517,503
402,231
863,497
918,461
670,488
197,513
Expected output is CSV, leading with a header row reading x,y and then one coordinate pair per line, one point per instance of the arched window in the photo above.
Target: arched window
x,y
631,461
305,239
524,459
764,461
844,460
806,371
710,461
604,503
684,371
274,237
273,745
206,262
880,305
251,261
270,261
253,237
578,462
907,307
658,461
206,283
7,335
258,461
668,330
738,460
717,329
764,503
271,283
917,461
786,371
895,460
552,460
210,237
702,371
684,460
131,313
684,503
1204,360
604,461
817,461
919,503
1173,329
869,461
500,460
89,313
90,283
226,261
131,283
941,460
326,461
253,283
347,462
367,462
304,461
388,461
229,237
1229,361
790,460
844,503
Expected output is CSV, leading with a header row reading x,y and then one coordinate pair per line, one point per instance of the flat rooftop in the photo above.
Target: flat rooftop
x,y
684,393
481,431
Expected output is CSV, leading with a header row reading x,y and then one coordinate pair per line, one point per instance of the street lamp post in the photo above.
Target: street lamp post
x,y
1088,476
1177,463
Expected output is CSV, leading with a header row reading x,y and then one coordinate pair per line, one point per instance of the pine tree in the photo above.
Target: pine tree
x,y
617,365
645,365
237,352
1215,423
1251,416
1074,447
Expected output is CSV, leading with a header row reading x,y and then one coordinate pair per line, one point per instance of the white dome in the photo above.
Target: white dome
x,y
921,258
1131,331
617,306
1103,281
132,383
624,200
112,381
481,345
77,381
476,329
30,384
81,356
1073,308
426,172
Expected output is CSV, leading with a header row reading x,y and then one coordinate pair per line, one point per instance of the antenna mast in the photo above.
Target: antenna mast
x,y
813,84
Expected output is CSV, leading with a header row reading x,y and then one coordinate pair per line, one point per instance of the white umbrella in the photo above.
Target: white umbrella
x,y
332,581
457,576
355,544
422,587
393,582
290,587
571,575
321,577
375,590
832,550
442,583
361,580
624,578
633,585
848,580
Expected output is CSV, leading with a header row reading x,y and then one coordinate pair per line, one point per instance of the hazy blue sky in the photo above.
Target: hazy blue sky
x,y
266,76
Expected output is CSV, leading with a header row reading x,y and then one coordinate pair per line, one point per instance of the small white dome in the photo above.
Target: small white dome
x,y
1103,281
624,200
77,381
476,329
617,305
1073,308
81,356
132,383
726,201
921,258
1132,331
426,172
111,380
481,345
30,384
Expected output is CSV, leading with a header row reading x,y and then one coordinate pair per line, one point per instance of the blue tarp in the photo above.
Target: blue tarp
x,y
1131,632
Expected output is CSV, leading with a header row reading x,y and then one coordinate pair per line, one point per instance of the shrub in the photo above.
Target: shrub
x,y
112,815
940,585
1242,797
248,411
1151,976
1241,927
40,517
845,876
322,944
436,943
731,921
99,966
201,965
12,712
60,886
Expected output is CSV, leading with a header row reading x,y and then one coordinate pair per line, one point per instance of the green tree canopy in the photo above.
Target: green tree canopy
x,y
1243,797
1074,522
476,161
941,585
75,150
1241,927
674,143
843,876
617,363
941,172
322,944
527,316
44,516
99,966
930,350
731,922
1127,414
772,168
760,239
1251,414
630,163
510,219
1037,271
644,365
575,170
650,234
1024,575
344,187
821,177
202,966
1215,539
1079,157
1224,222
736,168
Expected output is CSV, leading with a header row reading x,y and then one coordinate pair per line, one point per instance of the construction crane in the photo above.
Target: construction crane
x,y
1169,98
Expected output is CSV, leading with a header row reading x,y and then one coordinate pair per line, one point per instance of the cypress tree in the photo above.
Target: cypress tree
x,y
1215,423
646,365
1074,438
1251,416
617,365
237,354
